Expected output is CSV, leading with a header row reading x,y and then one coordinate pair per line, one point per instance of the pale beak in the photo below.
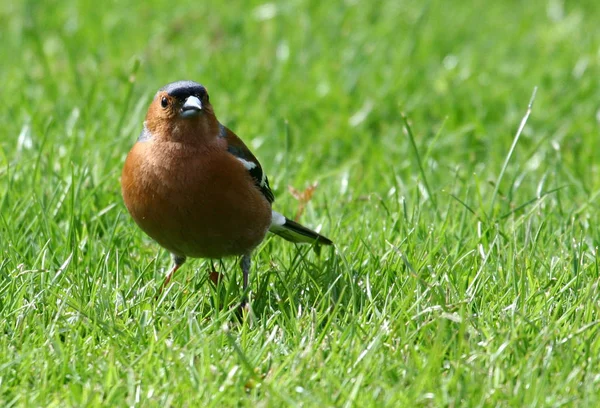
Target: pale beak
x,y
191,107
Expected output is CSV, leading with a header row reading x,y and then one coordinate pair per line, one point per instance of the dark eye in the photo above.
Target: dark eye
x,y
164,102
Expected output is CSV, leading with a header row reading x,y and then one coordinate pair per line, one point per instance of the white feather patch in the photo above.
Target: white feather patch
x,y
277,220
247,164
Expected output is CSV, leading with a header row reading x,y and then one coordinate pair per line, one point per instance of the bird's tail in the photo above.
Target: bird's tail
x,y
294,232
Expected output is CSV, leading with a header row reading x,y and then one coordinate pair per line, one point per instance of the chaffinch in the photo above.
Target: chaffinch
x,y
195,188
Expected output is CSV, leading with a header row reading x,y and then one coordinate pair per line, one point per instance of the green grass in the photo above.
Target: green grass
x,y
465,271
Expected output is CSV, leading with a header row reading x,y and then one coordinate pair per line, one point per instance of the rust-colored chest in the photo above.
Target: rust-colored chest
x,y
196,202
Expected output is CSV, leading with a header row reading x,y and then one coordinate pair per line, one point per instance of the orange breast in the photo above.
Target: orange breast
x,y
194,202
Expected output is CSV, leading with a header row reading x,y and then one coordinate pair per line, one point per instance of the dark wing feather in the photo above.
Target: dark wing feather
x,y
236,147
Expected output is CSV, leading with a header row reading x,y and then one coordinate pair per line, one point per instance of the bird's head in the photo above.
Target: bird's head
x,y
181,111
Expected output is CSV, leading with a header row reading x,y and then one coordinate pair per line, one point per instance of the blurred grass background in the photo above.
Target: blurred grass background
x,y
450,285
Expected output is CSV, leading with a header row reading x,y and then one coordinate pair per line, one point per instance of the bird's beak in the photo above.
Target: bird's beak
x,y
191,107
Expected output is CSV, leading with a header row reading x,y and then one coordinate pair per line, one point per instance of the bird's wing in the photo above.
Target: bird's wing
x,y
237,148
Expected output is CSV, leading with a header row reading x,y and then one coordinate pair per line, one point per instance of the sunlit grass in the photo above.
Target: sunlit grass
x,y
465,269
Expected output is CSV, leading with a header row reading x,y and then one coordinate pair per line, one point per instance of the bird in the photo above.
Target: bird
x,y
194,187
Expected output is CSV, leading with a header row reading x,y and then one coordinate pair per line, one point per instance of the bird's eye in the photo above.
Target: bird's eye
x,y
164,102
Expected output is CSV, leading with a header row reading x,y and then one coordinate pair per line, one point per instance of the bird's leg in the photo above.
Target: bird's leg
x,y
213,275
178,261
245,264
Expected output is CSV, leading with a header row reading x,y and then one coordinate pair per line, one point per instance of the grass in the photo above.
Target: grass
x,y
465,271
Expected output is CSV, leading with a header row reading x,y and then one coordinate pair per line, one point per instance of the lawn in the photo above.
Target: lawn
x,y
465,271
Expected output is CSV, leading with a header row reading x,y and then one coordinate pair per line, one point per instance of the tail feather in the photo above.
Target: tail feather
x,y
294,232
